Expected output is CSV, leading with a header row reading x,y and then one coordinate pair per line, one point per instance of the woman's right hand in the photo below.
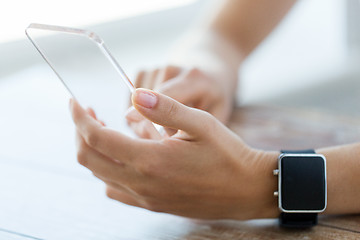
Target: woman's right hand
x,y
204,171
208,91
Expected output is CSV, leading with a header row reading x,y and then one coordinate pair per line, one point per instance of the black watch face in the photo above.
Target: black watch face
x,y
302,183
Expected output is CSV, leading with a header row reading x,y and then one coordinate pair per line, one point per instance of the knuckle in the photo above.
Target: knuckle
x,y
209,122
156,71
173,109
140,72
194,72
92,138
98,176
139,77
207,116
169,71
140,130
129,118
153,206
133,116
153,74
147,169
169,68
142,190
109,192
81,157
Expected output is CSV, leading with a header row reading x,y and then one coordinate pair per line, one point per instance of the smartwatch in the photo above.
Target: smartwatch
x,y
301,188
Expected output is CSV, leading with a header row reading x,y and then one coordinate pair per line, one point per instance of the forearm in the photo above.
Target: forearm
x,y
210,52
229,36
343,178
246,23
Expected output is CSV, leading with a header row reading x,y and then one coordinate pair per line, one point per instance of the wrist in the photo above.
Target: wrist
x,y
266,183
208,50
342,164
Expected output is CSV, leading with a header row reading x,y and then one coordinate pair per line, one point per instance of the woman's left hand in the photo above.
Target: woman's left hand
x,y
203,171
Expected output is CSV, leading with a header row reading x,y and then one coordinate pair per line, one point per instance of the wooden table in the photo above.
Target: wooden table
x,y
50,203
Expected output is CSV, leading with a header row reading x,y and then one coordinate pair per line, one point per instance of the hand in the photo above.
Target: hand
x,y
196,88
203,171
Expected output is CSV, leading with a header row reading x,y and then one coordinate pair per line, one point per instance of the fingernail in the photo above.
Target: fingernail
x,y
70,102
145,98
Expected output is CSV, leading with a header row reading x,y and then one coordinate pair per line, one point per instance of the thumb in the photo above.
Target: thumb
x,y
167,112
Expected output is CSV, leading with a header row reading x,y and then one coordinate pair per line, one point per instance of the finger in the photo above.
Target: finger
x,y
78,139
91,112
139,79
167,112
145,129
102,166
132,115
170,131
167,73
106,141
116,185
181,90
221,112
138,82
141,126
120,196
149,79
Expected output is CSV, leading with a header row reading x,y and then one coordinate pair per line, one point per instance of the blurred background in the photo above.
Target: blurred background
x,y
317,42
310,61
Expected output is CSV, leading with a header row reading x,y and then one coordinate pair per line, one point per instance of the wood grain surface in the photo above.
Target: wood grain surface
x,y
275,128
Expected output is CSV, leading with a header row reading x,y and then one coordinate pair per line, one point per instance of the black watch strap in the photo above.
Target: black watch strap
x,y
298,220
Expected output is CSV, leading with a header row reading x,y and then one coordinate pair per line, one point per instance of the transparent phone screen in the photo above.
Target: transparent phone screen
x,y
87,69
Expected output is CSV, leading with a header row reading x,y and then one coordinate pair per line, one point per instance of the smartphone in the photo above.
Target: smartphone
x,y
87,69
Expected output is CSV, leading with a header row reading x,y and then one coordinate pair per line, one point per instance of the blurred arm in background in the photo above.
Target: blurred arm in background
x,y
203,70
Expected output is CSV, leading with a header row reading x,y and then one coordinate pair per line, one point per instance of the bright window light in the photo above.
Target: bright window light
x,y
16,15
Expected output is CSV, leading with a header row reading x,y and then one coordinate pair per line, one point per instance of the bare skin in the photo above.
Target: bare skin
x,y
203,72
202,169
